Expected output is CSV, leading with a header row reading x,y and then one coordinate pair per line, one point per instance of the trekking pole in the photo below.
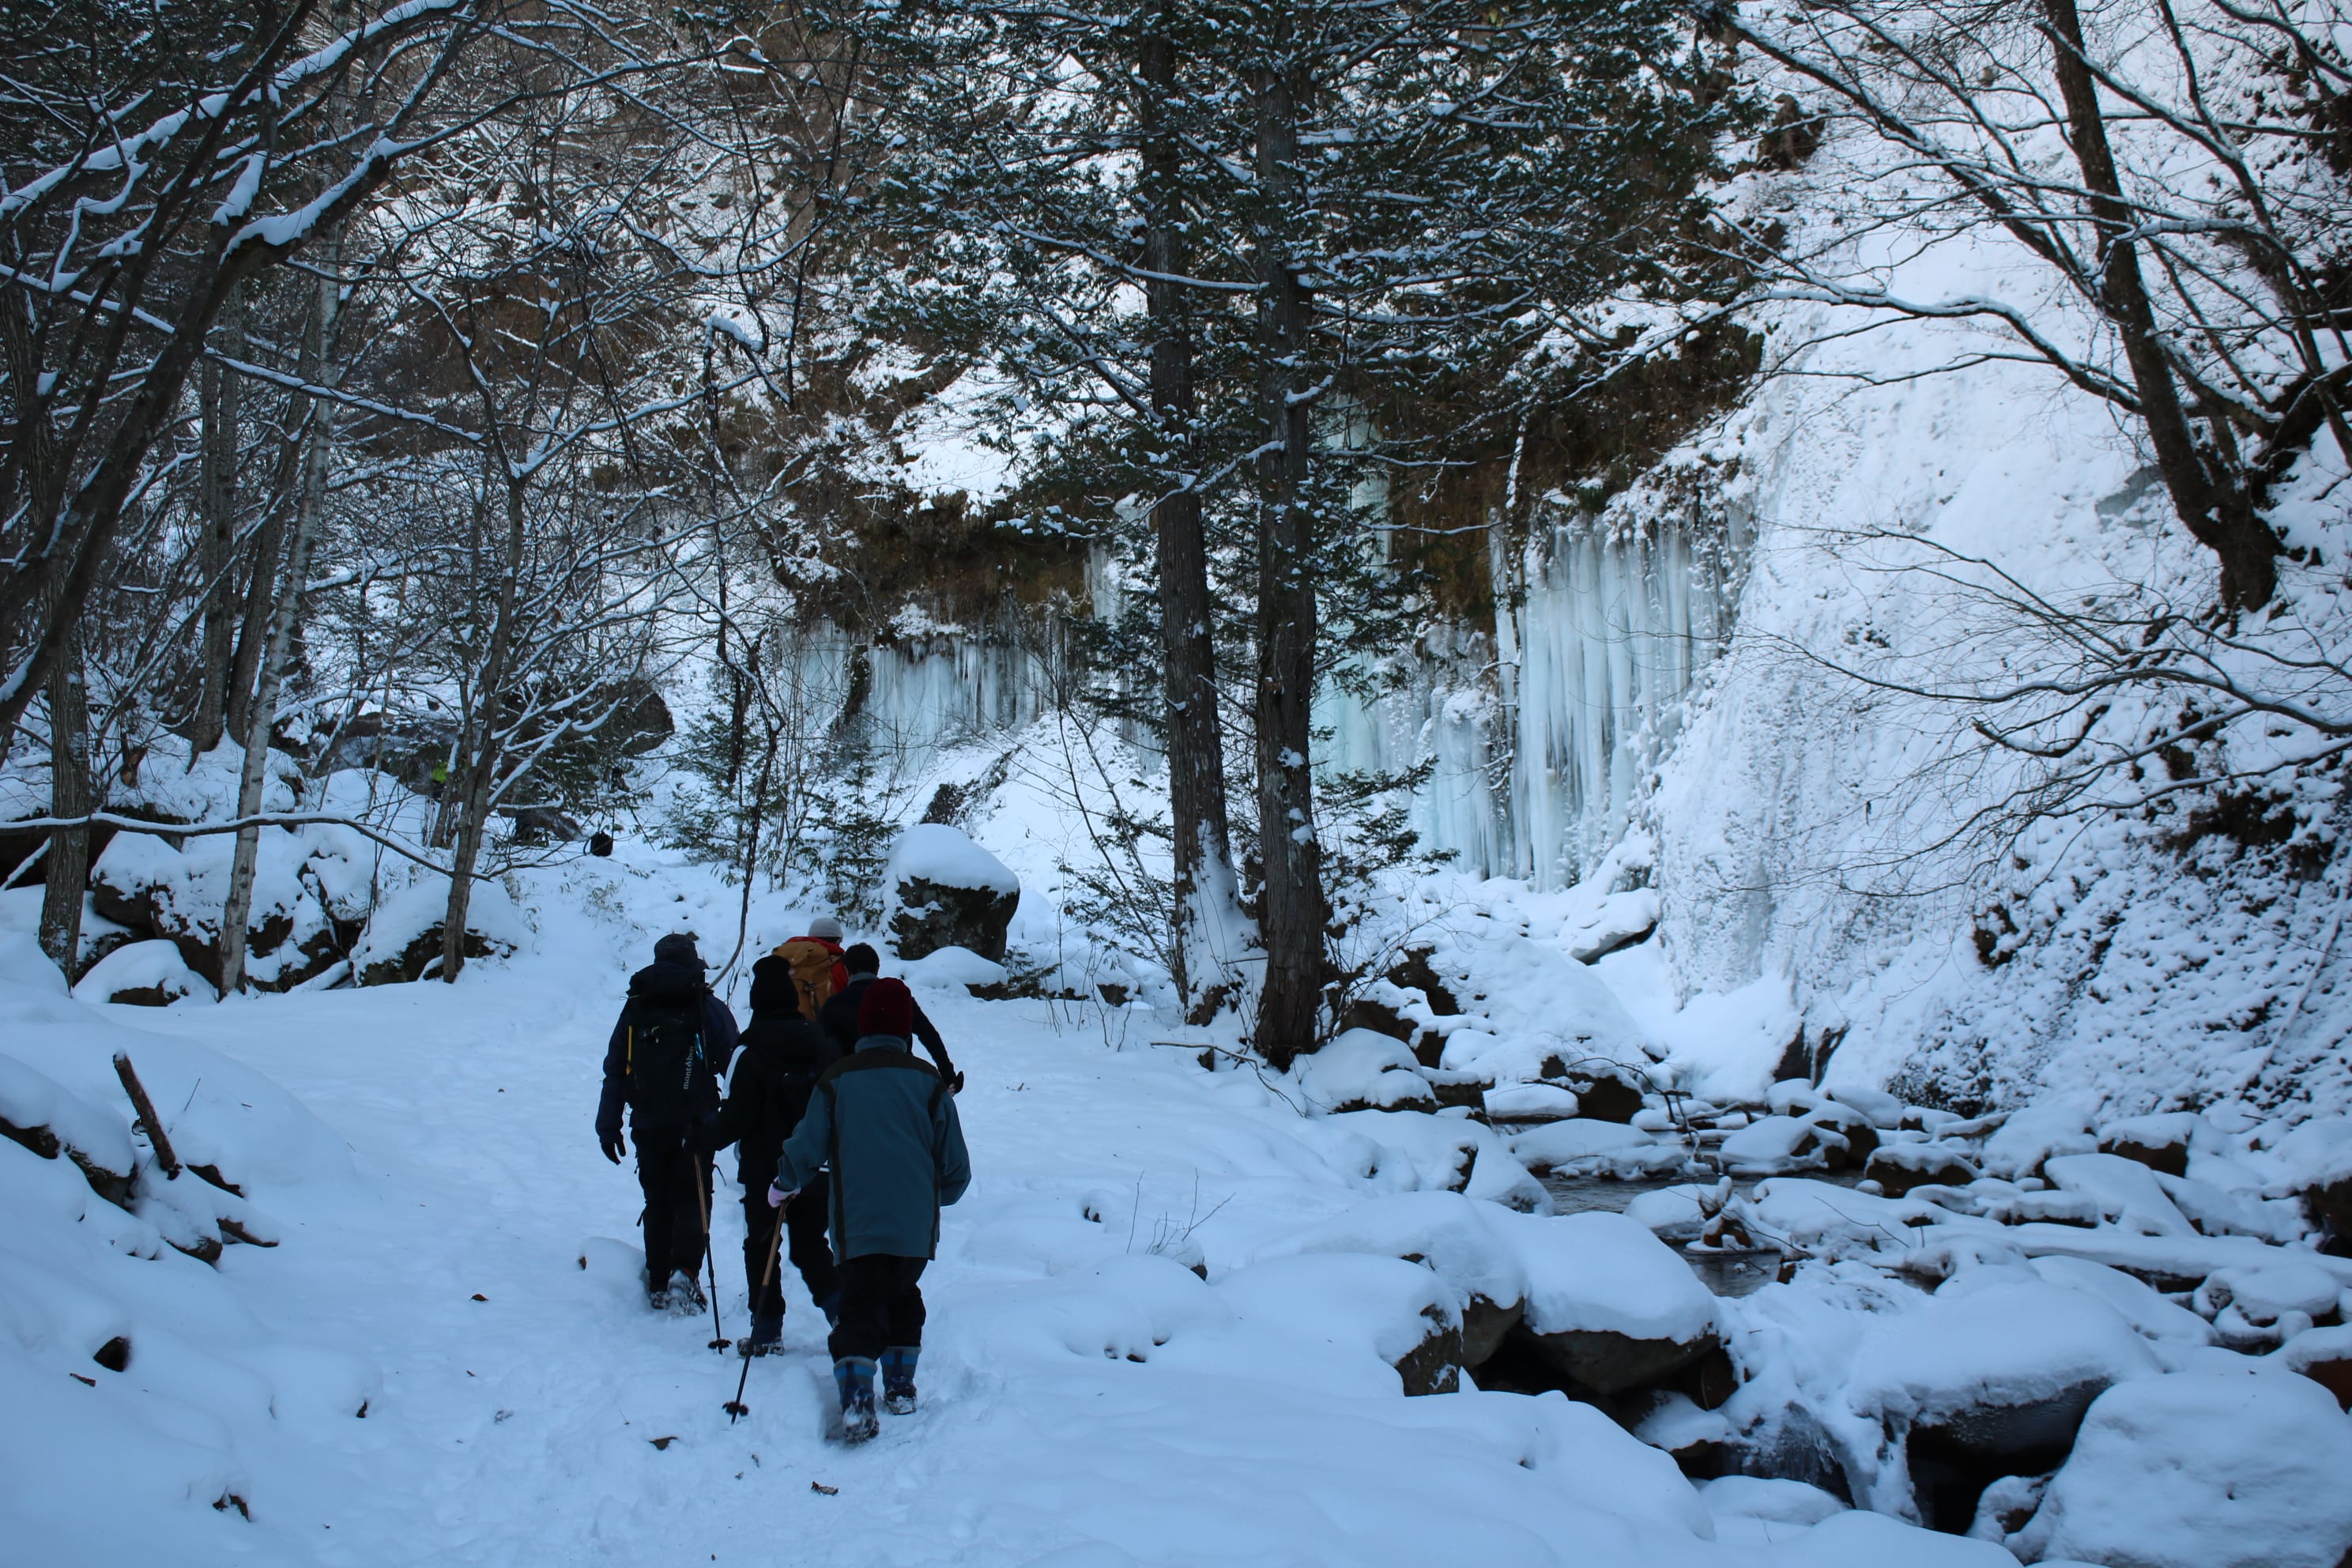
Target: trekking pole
x,y
719,1340
735,1407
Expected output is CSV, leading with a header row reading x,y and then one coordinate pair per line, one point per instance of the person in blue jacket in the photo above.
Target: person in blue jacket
x,y
883,1121
672,1042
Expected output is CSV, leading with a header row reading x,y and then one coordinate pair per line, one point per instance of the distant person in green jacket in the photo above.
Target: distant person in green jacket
x,y
884,1121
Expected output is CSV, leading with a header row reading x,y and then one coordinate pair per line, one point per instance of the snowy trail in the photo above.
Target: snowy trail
x,y
519,1428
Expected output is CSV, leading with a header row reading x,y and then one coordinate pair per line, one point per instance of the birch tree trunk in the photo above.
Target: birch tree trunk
x,y
261,716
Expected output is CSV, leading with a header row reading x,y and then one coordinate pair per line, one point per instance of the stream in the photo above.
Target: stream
x,y
1725,1273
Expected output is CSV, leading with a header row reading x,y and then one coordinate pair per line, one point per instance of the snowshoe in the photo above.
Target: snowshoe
x,y
767,1337
898,1379
686,1294
854,1375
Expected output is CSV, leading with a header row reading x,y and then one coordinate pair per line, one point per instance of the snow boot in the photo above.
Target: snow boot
x,y
658,1295
686,1294
898,1379
855,1376
767,1336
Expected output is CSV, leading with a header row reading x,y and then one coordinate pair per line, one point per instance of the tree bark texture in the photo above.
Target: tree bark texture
x,y
68,870
1203,889
2209,494
1291,914
484,747
216,486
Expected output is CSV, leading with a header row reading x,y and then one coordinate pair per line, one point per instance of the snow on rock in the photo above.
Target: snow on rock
x,y
1339,1308
1609,1305
1444,1232
45,1117
2204,1469
953,968
2127,1191
2161,1142
404,937
2323,1355
1414,1151
945,891
1775,1145
1745,1505
1530,1012
1363,1070
144,975
2018,1146
1530,1103
1899,1167
1817,1213
2142,1306
2255,1307
1999,1374
1585,1148
1885,1112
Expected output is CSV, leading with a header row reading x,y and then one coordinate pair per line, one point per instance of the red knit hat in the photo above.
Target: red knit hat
x,y
886,1008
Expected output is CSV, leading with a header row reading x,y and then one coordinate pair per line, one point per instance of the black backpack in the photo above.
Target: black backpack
x,y
670,1077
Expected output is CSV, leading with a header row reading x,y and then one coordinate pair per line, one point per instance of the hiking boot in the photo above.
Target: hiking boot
x,y
898,1379
854,1375
767,1336
657,1296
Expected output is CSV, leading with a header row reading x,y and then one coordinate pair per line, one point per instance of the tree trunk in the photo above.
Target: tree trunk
x,y
1292,911
1205,916
2209,494
68,870
261,716
484,746
217,395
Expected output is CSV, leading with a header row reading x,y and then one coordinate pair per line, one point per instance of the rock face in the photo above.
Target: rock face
x,y
946,891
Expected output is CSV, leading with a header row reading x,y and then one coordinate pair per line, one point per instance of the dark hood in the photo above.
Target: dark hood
x,y
773,991
664,982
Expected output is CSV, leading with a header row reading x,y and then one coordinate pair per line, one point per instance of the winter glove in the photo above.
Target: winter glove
x,y
778,1197
955,1083
614,1147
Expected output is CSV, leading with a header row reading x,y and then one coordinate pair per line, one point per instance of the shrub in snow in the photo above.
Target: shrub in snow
x,y
946,891
1991,1382
1362,1070
144,975
1611,1306
2204,1469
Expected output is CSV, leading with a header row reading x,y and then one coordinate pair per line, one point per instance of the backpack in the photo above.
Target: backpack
x,y
670,1071
811,965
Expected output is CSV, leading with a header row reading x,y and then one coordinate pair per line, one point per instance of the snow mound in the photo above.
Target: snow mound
x,y
2205,1469
1597,1272
952,969
1590,1148
22,963
1346,1312
948,857
2012,1345
150,974
1445,1232
1530,1012
1362,1069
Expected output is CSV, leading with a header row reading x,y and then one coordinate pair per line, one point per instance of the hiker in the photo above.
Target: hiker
x,y
672,1041
885,1124
839,1015
783,1054
815,961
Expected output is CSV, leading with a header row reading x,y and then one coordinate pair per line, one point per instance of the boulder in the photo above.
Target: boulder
x,y
151,973
1608,1099
2204,1468
1899,1167
1362,1070
1583,1147
1983,1383
1444,1232
1351,1307
2018,1147
946,891
1775,1145
1849,1122
2327,1200
2324,1356
2159,1142
1609,1307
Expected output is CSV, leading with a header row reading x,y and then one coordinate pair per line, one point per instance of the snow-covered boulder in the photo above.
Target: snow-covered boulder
x,y
2142,1305
150,974
2127,1191
2204,1469
403,942
2324,1356
2255,1307
1399,1313
1363,1070
1446,1233
1899,1167
1530,1012
1776,1145
2160,1142
945,891
1609,1305
1585,1148
1994,1380
2018,1146
51,1121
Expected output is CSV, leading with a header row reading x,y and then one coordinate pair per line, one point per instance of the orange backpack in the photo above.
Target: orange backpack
x,y
812,963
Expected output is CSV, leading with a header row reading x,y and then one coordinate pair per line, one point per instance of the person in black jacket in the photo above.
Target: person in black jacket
x,y
839,1015
783,1055
663,1063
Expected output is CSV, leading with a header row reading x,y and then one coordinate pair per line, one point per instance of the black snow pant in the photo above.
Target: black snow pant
x,y
881,1306
804,1244
676,1179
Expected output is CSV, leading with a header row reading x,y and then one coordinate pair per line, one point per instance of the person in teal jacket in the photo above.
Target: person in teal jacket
x,y
883,1122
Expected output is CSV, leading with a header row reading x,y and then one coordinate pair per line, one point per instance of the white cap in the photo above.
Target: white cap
x,y
824,927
